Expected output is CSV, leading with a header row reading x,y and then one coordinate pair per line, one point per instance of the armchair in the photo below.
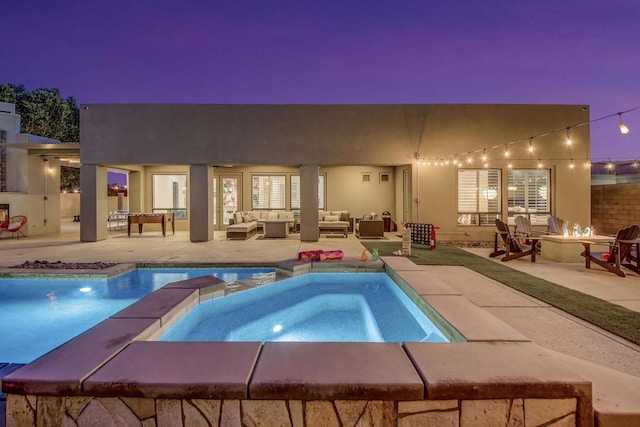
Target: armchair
x,y
370,229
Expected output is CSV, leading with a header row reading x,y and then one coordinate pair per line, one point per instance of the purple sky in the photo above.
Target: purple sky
x,y
336,51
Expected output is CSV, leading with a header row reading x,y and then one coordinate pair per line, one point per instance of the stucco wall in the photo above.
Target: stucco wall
x,y
614,207
366,136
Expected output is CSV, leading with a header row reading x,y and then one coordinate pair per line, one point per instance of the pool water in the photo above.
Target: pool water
x,y
317,307
38,315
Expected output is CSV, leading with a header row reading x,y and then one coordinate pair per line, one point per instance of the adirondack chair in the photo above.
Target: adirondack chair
x,y
524,230
513,248
555,225
620,250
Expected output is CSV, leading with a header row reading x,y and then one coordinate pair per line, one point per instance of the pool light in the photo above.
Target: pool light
x,y
85,289
277,328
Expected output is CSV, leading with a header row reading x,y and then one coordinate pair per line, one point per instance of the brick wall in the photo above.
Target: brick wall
x,y
614,207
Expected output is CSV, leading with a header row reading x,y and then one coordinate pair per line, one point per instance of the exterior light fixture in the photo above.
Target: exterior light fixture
x,y
624,129
610,166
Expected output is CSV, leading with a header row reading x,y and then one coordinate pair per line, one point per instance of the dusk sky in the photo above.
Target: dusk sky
x,y
335,52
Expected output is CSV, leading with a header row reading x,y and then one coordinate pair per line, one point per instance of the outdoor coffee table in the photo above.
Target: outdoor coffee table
x,y
276,228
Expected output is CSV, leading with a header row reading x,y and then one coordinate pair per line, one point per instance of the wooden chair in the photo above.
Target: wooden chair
x,y
556,225
513,248
620,250
13,225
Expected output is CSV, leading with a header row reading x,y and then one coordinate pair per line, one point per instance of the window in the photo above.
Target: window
x,y
170,195
268,192
528,194
479,196
295,192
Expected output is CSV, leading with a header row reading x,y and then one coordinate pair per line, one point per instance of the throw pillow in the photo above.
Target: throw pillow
x,y
344,216
14,225
246,217
273,215
237,217
331,218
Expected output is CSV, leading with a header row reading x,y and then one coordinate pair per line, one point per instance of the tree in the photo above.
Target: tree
x,y
43,112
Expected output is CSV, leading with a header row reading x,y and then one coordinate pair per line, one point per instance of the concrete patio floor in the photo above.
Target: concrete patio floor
x,y
612,363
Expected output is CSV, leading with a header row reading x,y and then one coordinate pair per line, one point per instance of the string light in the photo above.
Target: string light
x,y
624,129
509,165
539,164
571,164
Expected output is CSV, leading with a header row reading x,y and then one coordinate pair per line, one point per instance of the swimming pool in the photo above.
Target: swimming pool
x,y
37,315
316,307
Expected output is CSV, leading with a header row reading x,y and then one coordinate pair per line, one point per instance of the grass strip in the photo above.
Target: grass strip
x,y
610,317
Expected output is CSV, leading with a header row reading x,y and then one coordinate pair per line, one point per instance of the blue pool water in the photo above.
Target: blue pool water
x,y
319,307
37,315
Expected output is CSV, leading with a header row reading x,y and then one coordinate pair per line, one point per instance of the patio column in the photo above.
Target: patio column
x,y
309,231
200,203
93,203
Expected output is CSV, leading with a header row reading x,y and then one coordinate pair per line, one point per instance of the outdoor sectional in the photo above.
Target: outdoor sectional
x,y
244,224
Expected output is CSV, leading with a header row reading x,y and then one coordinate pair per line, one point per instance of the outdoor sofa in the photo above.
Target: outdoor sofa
x,y
244,224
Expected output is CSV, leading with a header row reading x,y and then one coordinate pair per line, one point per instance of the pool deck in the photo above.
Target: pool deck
x,y
610,362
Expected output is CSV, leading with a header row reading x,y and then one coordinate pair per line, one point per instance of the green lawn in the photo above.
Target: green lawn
x,y
613,318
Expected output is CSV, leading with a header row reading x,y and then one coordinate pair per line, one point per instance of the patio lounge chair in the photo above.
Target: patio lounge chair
x,y
513,248
619,251
13,225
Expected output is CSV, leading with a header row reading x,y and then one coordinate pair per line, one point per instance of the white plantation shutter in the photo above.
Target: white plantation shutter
x,y
295,192
529,194
479,196
268,192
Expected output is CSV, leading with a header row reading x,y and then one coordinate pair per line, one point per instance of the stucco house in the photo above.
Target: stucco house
x,y
454,166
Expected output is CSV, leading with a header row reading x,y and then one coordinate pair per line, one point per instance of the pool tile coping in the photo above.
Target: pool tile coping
x,y
96,359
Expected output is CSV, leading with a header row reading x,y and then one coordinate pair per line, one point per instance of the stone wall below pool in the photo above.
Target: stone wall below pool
x,y
27,411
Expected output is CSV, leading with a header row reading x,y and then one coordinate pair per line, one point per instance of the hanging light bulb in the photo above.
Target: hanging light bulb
x,y
539,164
531,145
469,159
587,164
506,151
568,140
509,165
571,164
624,129
484,154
